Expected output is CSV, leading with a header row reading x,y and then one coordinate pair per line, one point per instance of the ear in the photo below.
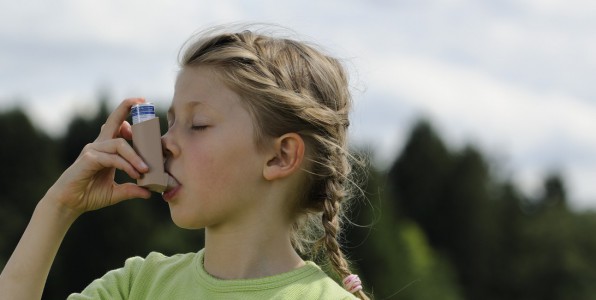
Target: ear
x,y
287,156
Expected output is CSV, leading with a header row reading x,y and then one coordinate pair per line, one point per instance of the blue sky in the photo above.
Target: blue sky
x,y
513,77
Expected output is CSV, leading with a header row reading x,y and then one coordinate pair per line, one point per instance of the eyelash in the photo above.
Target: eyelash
x,y
198,127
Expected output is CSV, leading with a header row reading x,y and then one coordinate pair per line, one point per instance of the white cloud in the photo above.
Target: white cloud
x,y
568,8
516,76
581,188
540,130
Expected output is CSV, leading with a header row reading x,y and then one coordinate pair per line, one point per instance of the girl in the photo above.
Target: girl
x,y
256,153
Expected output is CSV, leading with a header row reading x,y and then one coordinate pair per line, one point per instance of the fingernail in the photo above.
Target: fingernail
x,y
143,166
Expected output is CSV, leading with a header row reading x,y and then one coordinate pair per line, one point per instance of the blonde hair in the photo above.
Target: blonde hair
x,y
290,86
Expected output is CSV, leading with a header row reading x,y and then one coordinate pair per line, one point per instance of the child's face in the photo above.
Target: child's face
x,y
211,152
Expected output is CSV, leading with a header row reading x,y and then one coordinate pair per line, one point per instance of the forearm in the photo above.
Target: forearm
x,y
25,274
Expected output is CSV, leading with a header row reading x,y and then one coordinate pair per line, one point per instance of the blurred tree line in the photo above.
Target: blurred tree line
x,y
437,224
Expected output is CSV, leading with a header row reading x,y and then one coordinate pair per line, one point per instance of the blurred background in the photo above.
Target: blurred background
x,y
478,118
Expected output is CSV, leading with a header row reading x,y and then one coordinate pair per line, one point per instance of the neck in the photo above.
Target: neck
x,y
249,251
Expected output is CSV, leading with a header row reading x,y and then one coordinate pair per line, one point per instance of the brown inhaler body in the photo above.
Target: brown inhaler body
x,y
146,140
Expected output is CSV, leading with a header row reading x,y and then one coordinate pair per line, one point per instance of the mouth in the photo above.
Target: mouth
x,y
172,188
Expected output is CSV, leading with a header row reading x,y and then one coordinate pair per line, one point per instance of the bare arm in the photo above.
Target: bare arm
x,y
86,185
25,274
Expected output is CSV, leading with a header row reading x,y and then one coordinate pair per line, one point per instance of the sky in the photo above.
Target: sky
x,y
514,78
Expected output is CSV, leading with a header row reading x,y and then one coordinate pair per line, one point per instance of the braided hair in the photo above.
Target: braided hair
x,y
290,86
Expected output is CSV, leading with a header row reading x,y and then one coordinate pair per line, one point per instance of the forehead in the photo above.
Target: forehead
x,y
201,87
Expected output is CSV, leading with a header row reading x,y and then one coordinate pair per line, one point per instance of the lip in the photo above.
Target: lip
x,y
172,190
169,194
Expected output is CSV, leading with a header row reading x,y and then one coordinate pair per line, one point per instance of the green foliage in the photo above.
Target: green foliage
x,y
438,225
392,253
501,244
28,168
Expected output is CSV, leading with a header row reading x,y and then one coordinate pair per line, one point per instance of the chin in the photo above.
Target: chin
x,y
185,222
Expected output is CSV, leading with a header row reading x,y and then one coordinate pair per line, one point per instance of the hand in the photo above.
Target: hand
x,y
88,184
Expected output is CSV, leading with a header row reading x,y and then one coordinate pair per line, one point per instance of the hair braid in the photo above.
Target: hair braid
x,y
335,193
332,227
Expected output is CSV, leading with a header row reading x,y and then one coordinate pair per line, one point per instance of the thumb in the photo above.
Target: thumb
x,y
127,191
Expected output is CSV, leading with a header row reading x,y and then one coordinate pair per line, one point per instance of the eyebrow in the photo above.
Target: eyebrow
x,y
190,105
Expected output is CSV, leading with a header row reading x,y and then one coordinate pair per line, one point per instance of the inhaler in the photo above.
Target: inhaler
x,y
146,140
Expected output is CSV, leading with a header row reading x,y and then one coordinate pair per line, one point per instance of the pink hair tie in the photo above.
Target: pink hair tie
x,y
352,283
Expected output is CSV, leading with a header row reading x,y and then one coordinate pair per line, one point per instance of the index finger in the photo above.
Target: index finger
x,y
111,128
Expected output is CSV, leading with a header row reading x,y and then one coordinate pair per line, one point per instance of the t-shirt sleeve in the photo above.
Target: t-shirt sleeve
x,y
115,284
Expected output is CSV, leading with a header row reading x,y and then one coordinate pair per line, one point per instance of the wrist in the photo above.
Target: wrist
x,y
57,210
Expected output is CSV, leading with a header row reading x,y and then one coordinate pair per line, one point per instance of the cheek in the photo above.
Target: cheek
x,y
211,167
220,164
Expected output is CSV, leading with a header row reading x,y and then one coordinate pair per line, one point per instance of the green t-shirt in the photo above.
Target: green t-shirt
x,y
182,276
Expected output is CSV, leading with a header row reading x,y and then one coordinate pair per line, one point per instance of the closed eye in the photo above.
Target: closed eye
x,y
199,127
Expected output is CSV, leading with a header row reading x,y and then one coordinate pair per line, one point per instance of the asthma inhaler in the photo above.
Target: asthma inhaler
x,y
146,140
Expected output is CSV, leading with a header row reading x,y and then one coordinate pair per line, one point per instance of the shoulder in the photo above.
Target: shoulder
x,y
159,268
155,261
139,276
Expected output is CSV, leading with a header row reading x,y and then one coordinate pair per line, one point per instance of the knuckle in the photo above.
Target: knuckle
x,y
88,147
122,143
88,155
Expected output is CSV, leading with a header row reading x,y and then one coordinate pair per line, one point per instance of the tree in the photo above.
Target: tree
x,y
392,253
417,179
28,167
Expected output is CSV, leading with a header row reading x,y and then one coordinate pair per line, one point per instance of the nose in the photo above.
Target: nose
x,y
168,145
